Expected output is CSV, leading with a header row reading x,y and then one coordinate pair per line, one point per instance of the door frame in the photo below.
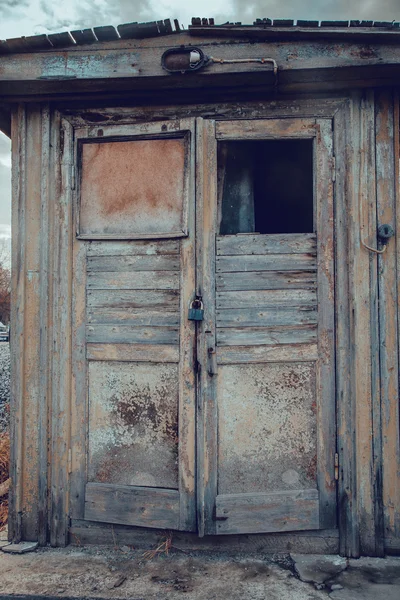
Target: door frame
x,y
357,349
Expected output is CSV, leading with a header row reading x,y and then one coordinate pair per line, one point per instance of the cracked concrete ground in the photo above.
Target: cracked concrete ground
x,y
103,572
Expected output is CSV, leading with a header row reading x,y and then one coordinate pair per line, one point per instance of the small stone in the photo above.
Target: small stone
x,y
319,586
21,548
315,568
60,590
115,582
125,549
336,586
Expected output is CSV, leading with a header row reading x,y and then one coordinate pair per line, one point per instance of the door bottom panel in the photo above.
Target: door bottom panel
x,y
130,505
261,513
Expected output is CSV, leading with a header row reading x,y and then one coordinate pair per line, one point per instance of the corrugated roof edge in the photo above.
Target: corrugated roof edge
x,y
106,33
78,37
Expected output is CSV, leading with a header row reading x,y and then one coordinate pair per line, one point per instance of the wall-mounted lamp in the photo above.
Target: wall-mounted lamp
x,y
190,58
183,59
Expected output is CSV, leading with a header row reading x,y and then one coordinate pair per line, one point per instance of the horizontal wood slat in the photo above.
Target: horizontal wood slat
x,y
135,280
266,262
125,505
126,248
128,334
231,355
139,317
266,280
266,129
266,336
274,316
152,262
158,353
274,512
290,243
123,299
264,298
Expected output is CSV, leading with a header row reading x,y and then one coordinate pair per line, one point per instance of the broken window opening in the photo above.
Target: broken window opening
x,y
265,186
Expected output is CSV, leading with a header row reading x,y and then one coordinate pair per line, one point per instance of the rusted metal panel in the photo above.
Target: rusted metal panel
x,y
267,427
133,424
133,188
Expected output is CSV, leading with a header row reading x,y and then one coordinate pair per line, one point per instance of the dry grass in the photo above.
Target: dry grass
x,y
162,548
4,475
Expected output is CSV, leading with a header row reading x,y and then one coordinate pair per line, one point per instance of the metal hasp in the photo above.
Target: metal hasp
x,y
385,232
196,310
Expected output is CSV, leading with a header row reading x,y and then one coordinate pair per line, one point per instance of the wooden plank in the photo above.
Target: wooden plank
x,y
326,391
269,262
273,512
45,345
152,262
274,316
79,391
363,194
128,505
139,280
136,248
263,336
264,129
133,352
84,533
139,317
266,280
346,405
128,61
266,298
285,243
206,220
128,334
235,109
187,354
17,341
122,299
231,355
387,462
61,381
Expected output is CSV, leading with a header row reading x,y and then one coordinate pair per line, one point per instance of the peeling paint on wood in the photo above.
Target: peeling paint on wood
x,y
133,424
266,427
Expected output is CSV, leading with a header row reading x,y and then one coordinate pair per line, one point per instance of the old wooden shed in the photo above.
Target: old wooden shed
x,y
253,170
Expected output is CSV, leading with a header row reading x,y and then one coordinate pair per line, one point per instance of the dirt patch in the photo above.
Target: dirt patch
x,y
92,572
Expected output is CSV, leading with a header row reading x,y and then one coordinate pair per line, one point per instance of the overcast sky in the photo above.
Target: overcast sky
x,y
29,17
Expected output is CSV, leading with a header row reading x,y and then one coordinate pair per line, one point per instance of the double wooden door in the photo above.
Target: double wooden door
x,y
225,425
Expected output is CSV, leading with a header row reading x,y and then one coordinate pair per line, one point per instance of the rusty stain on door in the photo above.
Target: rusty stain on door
x,y
133,188
133,424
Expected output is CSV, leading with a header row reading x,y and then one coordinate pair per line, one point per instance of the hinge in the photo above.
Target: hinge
x,y
333,168
70,461
72,177
62,138
336,466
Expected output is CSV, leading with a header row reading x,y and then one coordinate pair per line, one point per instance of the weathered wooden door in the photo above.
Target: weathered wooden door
x,y
266,406
134,275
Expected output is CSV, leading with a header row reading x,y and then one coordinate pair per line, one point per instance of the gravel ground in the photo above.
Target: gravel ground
x,y
4,386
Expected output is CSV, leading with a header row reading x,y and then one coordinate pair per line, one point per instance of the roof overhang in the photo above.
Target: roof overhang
x,y
309,60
